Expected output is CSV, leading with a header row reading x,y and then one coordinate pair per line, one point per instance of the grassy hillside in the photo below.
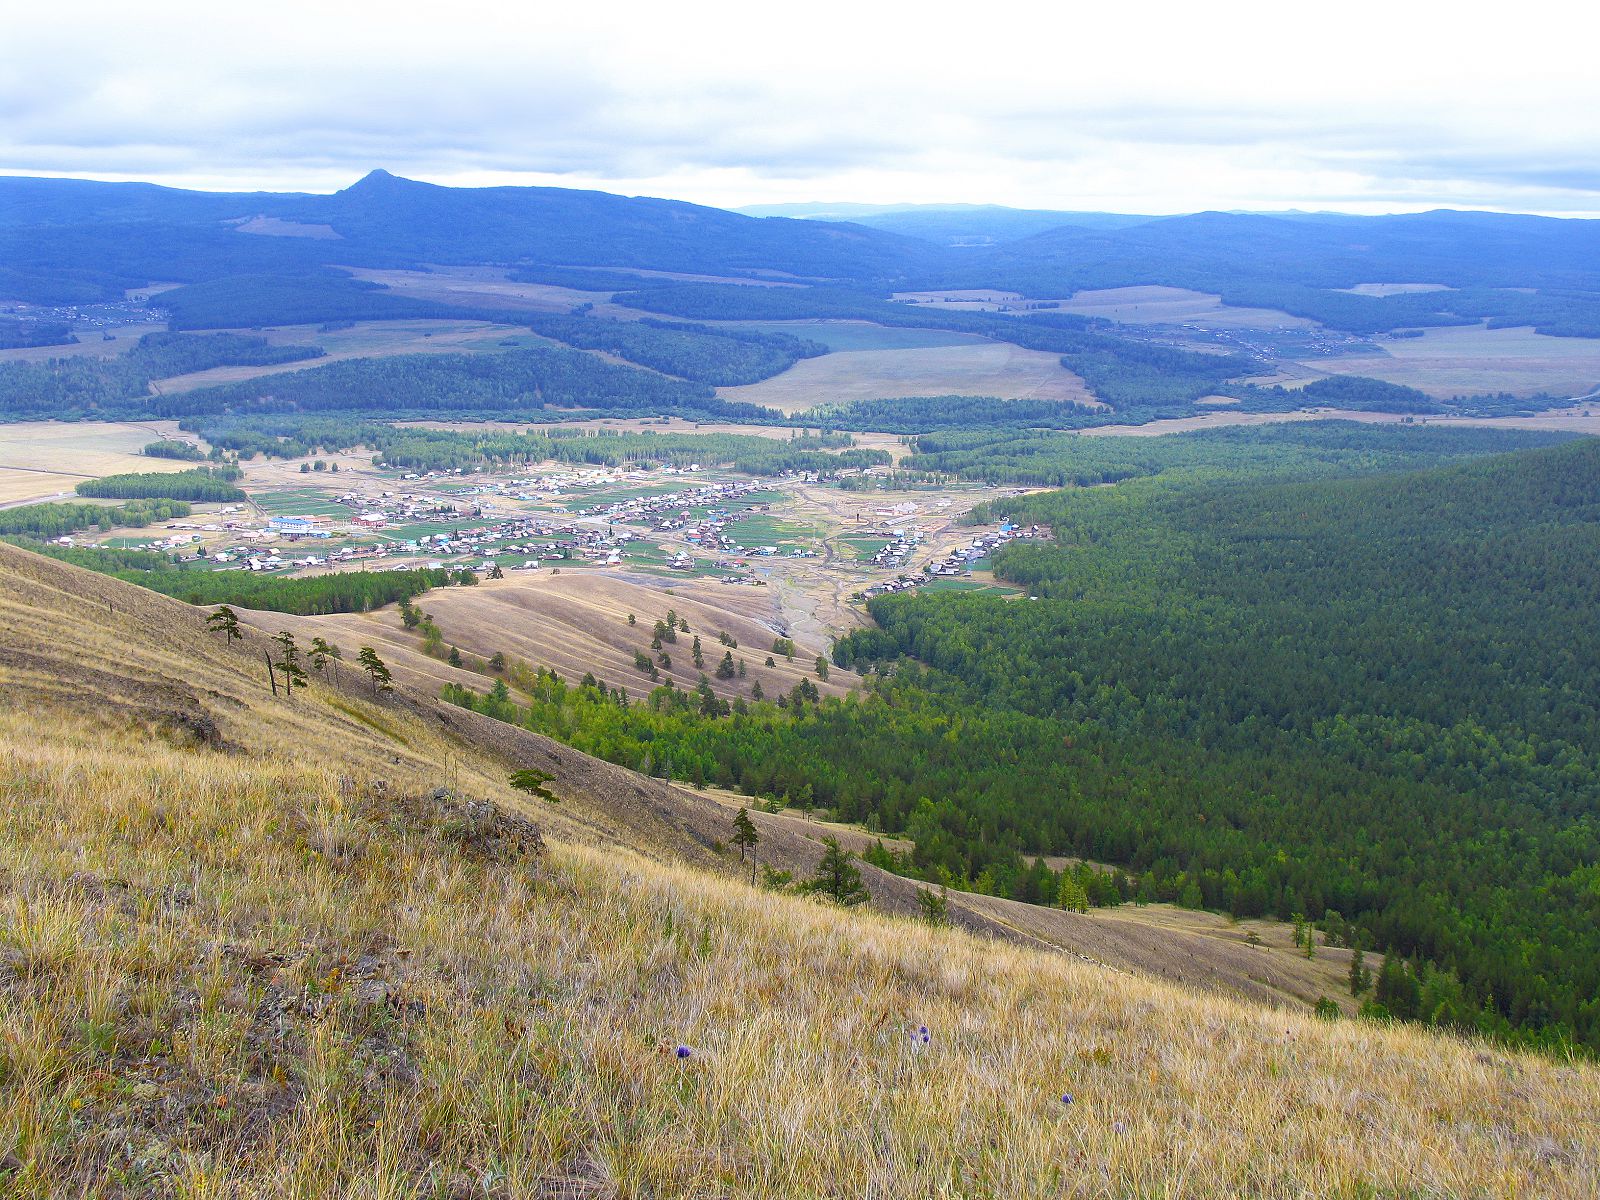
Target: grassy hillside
x,y
244,952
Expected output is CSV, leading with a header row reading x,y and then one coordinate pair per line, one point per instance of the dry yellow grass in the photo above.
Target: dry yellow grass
x,y
577,623
244,969
40,460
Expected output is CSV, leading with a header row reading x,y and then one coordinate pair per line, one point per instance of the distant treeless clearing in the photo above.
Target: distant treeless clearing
x,y
966,299
278,227
1394,289
91,344
1468,360
1176,306
988,369
479,287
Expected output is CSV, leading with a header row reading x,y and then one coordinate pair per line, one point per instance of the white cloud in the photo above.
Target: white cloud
x,y
1151,107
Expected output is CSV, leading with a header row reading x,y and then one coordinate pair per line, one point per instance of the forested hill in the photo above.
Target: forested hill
x,y
1373,700
71,241
1303,264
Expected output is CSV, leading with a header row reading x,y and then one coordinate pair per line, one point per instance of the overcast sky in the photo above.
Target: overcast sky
x,y
1156,107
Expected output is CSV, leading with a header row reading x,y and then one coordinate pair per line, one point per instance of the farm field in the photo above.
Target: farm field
x,y
92,343
1176,306
1473,359
987,369
479,287
41,459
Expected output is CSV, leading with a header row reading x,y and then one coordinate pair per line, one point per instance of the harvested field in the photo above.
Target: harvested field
x,y
40,460
987,369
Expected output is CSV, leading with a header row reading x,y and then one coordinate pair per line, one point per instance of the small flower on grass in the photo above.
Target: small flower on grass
x,y
1066,1098
684,1052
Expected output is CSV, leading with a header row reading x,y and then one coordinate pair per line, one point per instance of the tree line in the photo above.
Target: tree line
x,y
205,485
719,357
57,519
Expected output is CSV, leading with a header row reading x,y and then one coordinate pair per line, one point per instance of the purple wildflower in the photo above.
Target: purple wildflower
x,y
684,1052
1067,1099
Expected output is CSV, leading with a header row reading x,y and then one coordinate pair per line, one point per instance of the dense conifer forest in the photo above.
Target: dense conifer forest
x,y
1367,697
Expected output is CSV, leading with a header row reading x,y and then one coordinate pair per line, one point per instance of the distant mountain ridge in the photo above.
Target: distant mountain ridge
x,y
66,241
75,241
951,224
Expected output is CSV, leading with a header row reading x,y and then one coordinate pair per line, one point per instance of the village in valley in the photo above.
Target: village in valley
x,y
822,549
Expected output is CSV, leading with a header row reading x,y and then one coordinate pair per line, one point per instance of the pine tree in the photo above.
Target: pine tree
x,y
747,838
1071,895
530,780
935,906
382,680
294,675
822,668
455,657
324,652
224,620
725,669
1360,977
837,877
